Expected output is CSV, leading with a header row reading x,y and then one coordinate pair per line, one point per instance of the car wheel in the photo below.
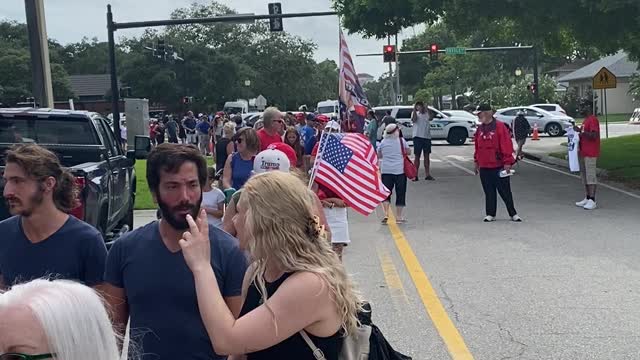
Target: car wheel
x,y
457,136
128,219
554,130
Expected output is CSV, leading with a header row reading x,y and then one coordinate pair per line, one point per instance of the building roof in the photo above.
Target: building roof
x,y
619,64
90,85
570,67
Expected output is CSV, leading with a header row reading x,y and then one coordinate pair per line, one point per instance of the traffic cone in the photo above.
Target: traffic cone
x,y
536,133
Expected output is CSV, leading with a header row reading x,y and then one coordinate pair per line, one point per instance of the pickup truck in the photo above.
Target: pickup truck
x,y
86,145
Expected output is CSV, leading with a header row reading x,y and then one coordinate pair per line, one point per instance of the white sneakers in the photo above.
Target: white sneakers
x,y
590,205
489,218
587,204
516,218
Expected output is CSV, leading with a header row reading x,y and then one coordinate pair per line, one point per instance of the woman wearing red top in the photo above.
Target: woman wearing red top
x,y
493,154
273,123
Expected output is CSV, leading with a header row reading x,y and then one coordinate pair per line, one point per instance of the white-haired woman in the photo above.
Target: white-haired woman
x,y
58,319
224,145
391,153
296,282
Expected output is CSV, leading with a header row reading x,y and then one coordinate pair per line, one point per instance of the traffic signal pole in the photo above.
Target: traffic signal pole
x,y
112,27
533,49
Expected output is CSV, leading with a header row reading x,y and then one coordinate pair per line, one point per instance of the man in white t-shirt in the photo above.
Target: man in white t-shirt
x,y
213,200
421,118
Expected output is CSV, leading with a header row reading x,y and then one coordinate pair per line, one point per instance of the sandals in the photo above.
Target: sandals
x,y
401,221
385,221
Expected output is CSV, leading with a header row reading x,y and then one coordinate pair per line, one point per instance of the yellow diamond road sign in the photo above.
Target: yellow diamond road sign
x,y
604,79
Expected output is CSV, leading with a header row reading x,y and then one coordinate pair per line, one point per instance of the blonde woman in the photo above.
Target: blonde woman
x,y
224,145
295,283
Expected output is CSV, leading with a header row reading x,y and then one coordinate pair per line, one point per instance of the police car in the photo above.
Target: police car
x,y
454,129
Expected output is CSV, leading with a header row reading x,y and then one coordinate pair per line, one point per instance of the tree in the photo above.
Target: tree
x,y
562,27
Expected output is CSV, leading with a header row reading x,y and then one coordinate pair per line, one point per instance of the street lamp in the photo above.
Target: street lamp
x,y
518,72
247,83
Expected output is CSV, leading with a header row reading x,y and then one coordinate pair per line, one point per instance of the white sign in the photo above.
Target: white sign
x,y
261,102
410,98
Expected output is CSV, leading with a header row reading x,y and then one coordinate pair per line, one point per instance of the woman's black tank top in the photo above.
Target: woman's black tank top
x,y
294,347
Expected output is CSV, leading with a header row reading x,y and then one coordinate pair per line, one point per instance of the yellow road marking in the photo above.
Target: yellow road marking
x,y
448,332
391,276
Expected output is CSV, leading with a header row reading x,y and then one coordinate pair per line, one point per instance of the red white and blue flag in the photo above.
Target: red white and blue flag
x,y
351,94
347,164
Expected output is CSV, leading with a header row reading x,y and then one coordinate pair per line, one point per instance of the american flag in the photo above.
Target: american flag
x,y
350,91
347,165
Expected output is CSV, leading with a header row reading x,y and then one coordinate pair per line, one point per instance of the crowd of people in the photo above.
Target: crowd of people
x,y
246,266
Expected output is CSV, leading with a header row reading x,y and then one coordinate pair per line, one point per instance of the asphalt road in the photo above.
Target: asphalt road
x,y
564,284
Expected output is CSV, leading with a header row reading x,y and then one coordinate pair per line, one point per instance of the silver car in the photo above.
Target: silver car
x,y
551,124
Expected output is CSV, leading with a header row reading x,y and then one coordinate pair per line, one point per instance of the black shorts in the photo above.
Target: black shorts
x,y
421,145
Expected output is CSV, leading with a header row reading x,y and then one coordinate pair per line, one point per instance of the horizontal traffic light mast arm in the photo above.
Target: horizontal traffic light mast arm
x,y
443,51
216,19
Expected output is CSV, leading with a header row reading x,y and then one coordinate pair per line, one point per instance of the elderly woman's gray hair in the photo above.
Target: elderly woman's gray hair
x,y
72,317
229,129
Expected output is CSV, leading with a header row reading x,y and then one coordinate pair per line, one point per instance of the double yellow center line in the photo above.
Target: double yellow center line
x,y
443,324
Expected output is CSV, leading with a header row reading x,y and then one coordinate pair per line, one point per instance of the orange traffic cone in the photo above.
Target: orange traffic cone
x,y
536,133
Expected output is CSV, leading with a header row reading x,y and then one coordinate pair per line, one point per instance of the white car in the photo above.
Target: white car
x,y
552,108
553,125
454,129
461,114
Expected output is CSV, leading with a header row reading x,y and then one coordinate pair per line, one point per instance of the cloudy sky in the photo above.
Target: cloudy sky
x,y
70,20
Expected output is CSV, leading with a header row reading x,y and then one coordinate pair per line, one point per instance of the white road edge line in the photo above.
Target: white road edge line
x,y
635,196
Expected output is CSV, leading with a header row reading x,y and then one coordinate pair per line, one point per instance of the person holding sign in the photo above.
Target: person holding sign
x,y
589,153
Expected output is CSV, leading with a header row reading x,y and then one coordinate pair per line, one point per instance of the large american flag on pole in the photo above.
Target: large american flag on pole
x,y
350,91
347,165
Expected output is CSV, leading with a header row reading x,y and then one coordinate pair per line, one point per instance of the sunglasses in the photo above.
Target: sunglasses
x,y
18,356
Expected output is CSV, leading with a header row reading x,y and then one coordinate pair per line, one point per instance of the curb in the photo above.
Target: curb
x,y
557,162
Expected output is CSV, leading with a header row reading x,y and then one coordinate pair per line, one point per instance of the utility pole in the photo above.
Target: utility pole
x,y
536,76
399,92
39,48
394,99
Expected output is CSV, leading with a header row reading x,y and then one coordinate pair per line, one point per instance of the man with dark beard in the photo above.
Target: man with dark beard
x,y
41,239
147,278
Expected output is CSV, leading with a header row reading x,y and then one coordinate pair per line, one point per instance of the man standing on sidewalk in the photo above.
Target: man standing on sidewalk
x,y
521,129
421,118
589,154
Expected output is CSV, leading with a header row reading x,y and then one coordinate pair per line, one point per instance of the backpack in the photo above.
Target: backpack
x,y
366,343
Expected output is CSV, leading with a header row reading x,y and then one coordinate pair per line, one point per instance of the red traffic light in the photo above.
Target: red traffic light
x,y
433,51
434,48
389,53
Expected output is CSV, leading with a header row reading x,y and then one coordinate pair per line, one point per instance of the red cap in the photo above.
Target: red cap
x,y
322,118
287,150
299,116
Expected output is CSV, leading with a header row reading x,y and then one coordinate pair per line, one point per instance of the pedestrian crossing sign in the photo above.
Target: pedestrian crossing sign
x,y
604,79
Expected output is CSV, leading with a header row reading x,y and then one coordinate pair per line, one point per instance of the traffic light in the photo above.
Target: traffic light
x,y
433,51
389,53
275,24
161,49
533,87
186,99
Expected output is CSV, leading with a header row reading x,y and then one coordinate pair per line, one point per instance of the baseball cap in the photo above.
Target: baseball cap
x,y
484,107
271,160
287,150
299,116
311,117
322,118
332,125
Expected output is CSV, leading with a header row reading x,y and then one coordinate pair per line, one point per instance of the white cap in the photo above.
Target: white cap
x,y
332,125
270,160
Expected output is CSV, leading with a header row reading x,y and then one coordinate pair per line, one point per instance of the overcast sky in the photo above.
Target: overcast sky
x,y
70,20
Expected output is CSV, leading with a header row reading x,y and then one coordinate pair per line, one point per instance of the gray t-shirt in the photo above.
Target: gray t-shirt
x,y
422,126
163,306
392,158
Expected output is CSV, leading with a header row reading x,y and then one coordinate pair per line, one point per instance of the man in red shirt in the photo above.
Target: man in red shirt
x,y
273,123
589,154
494,158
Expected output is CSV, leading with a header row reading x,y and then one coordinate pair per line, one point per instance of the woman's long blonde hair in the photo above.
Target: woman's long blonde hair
x,y
283,229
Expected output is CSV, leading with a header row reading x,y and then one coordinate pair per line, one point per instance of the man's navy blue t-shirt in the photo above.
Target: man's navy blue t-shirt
x,y
75,252
163,307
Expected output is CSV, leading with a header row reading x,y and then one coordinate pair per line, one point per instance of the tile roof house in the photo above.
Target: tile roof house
x,y
618,100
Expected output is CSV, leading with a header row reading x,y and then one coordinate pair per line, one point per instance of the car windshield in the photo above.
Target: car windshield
x,y
51,130
326,109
